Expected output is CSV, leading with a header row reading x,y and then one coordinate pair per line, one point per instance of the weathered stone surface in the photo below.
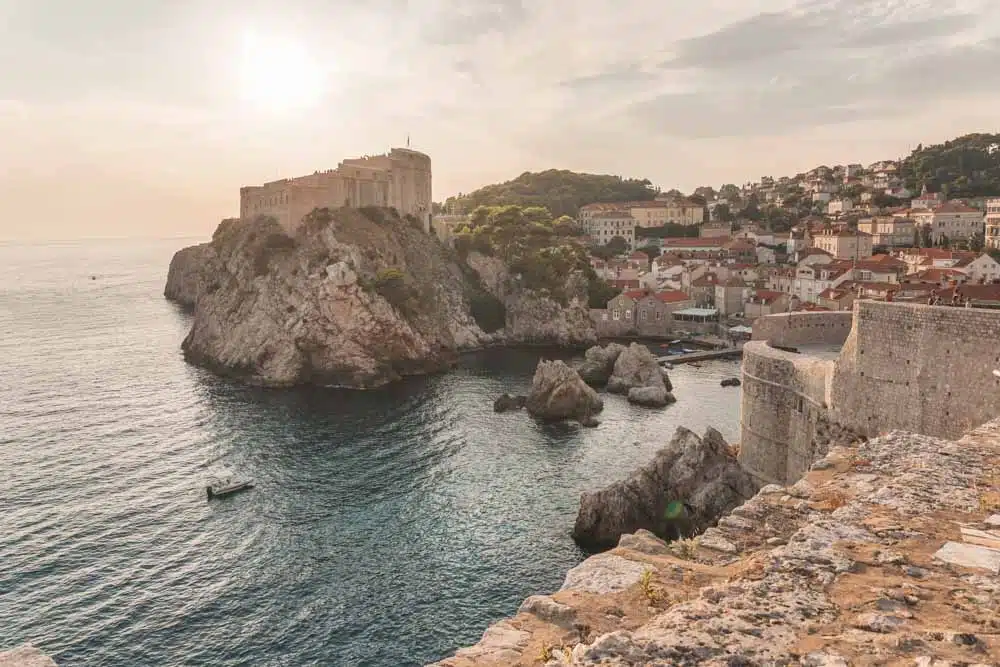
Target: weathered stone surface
x,y
603,573
547,609
507,402
643,541
637,368
687,486
558,393
534,317
25,655
652,397
279,310
814,580
501,642
599,363
969,555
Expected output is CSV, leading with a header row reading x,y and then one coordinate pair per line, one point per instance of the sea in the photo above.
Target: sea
x,y
387,527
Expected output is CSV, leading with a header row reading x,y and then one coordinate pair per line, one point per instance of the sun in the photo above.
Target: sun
x,y
278,75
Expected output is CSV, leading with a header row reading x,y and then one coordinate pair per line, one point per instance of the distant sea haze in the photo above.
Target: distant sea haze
x,y
387,527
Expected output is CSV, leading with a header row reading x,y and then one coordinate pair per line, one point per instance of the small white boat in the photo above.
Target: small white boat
x,y
218,489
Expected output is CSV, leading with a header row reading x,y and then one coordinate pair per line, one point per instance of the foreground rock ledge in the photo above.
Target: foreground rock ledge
x,y
880,555
25,655
684,489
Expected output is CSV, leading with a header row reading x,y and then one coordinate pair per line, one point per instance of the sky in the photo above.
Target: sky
x,y
124,118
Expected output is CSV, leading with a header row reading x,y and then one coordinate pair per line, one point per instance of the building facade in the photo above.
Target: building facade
x,y
844,244
954,221
400,179
993,223
603,226
889,231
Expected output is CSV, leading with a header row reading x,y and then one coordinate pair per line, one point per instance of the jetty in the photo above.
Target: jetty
x,y
705,355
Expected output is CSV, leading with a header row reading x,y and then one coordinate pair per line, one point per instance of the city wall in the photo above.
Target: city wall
x,y
926,369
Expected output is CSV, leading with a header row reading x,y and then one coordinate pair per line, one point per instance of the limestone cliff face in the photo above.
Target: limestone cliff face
x,y
354,298
535,317
185,278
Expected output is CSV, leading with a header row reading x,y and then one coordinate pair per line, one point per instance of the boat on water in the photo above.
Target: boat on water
x,y
219,489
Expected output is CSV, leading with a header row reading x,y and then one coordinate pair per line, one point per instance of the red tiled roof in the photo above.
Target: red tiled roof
x,y
688,242
624,284
767,295
638,254
707,280
954,208
636,294
671,296
834,293
937,275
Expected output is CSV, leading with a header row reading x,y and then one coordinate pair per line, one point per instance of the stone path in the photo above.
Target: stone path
x,y
884,554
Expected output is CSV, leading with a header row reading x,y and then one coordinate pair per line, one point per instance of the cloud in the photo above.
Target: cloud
x,y
820,64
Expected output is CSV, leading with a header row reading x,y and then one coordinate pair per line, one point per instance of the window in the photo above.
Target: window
x,y
659,316
616,314
604,317
628,314
642,315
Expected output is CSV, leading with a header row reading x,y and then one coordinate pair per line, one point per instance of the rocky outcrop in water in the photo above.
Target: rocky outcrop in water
x,y
687,486
639,376
506,402
885,554
353,298
25,655
538,317
558,393
599,363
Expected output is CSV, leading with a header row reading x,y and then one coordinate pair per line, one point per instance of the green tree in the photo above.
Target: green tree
x,y
651,250
730,192
599,292
618,245
977,241
926,238
722,213
944,241
560,191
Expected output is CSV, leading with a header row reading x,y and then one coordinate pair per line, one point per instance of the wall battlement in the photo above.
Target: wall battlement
x,y
400,179
925,369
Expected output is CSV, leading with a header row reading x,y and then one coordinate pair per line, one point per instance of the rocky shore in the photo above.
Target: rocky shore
x,y
355,298
887,553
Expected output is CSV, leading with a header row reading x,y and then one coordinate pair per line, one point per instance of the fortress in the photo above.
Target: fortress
x,y
918,368
400,179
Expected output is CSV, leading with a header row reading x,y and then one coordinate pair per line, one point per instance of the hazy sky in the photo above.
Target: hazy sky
x,y
138,117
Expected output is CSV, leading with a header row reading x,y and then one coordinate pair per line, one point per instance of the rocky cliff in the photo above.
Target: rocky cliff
x,y
355,298
885,554
538,317
687,486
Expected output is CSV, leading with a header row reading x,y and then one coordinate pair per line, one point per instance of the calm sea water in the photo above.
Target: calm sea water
x,y
387,527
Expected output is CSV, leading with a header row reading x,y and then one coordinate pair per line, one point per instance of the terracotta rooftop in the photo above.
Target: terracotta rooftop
x,y
672,296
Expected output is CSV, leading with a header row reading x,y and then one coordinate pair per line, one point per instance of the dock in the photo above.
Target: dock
x,y
688,357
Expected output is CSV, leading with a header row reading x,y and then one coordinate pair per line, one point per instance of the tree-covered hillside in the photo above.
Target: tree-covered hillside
x,y
562,192
968,166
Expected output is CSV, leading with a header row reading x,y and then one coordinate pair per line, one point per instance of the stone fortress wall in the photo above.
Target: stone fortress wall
x,y
925,369
401,179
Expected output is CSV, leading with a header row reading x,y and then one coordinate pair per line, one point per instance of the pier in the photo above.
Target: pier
x,y
688,357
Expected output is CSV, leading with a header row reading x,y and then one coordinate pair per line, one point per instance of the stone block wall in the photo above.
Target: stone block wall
x,y
925,369
783,412
791,329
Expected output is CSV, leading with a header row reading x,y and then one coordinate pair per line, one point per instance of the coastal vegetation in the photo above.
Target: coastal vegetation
x,y
967,166
540,252
559,191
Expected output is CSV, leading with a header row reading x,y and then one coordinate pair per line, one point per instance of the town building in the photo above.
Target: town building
x,y
952,221
980,269
602,226
992,220
889,231
653,213
839,206
400,179
844,244
712,230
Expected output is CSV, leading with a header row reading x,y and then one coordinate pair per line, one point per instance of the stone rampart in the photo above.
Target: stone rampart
x,y
792,329
925,369
783,401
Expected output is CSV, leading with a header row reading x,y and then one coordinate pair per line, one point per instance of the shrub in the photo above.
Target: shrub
x,y
487,310
373,213
391,285
273,244
599,292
